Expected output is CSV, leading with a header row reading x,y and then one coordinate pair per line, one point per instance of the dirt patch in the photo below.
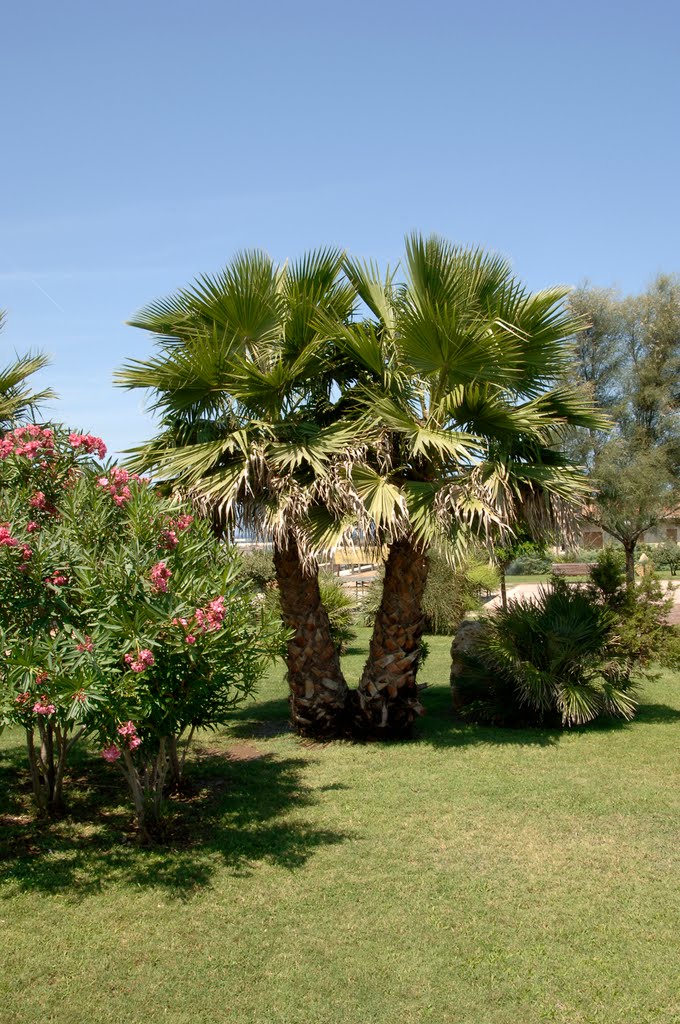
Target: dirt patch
x,y
244,752
9,820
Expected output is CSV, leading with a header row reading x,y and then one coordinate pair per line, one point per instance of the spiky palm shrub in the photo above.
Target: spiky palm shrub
x,y
554,660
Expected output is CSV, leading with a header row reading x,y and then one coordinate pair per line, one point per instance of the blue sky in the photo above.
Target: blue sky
x,y
144,143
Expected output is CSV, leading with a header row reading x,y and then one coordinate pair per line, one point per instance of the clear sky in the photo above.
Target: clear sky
x,y
143,143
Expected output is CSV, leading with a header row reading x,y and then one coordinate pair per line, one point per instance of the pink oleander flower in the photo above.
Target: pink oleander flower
x,y
31,527
129,733
43,707
26,552
23,698
159,576
79,697
6,538
57,579
86,645
38,500
144,659
127,729
191,639
111,753
40,678
89,443
169,540
184,521
116,483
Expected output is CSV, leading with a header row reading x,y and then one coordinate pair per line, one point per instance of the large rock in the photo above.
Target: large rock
x,y
466,637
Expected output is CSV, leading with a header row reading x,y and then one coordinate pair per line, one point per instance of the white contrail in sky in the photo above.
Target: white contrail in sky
x,y
47,295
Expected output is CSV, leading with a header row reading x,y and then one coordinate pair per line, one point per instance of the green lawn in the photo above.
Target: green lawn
x,y
473,876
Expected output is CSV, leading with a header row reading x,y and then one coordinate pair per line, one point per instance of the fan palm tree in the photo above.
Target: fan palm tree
x,y
245,391
17,400
457,379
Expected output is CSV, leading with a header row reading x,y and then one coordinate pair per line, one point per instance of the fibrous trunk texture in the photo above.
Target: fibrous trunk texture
x,y
318,691
387,700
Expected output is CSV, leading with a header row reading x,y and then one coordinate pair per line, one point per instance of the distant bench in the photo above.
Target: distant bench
x,y
570,568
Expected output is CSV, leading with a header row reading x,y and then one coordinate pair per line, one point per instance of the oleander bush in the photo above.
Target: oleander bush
x,y
122,618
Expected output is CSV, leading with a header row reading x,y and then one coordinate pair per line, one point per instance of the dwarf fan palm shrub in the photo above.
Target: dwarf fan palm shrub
x,y
556,659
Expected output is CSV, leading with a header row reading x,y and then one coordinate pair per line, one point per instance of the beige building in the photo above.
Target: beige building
x,y
592,536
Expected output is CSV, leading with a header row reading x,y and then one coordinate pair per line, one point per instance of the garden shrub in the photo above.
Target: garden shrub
x,y
665,556
554,660
641,611
529,565
121,617
589,555
257,565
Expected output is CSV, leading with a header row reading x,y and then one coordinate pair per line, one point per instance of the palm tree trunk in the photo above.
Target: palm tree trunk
x,y
318,691
387,700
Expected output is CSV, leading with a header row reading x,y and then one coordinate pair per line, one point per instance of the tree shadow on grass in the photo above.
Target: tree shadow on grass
x,y
441,728
234,817
267,718
657,714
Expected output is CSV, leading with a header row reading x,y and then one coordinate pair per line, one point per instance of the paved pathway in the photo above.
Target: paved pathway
x,y
530,589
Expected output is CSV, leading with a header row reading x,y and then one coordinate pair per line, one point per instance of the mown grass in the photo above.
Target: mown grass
x,y
475,876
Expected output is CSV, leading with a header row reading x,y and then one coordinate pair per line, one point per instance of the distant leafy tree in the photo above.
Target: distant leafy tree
x,y
629,357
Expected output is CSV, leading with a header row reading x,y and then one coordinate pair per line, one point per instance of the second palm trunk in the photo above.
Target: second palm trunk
x,y
387,700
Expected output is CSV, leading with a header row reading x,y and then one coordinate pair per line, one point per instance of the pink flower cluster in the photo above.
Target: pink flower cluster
x,y
117,484
144,659
204,620
6,538
169,539
210,618
128,731
88,443
85,645
31,442
22,699
57,579
130,739
38,500
160,576
43,707
8,541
